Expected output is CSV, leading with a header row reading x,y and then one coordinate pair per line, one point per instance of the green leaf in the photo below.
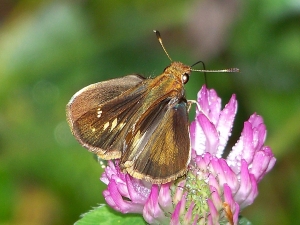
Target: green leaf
x,y
244,221
105,215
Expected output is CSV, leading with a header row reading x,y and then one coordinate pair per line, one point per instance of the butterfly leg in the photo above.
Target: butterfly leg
x,y
189,104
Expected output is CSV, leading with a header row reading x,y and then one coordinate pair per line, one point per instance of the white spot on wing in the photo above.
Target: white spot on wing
x,y
114,124
106,126
99,112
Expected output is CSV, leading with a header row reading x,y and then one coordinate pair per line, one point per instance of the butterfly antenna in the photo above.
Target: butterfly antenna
x,y
205,78
160,41
230,70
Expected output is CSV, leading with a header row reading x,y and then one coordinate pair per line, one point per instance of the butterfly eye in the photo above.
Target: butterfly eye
x,y
185,78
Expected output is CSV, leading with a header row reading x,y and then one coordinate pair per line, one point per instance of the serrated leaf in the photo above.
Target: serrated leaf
x,y
105,215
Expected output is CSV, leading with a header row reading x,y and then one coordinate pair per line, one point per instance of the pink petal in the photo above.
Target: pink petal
x,y
210,220
236,213
189,214
152,213
118,203
202,99
248,187
213,212
214,106
228,195
211,134
252,194
197,141
243,149
215,197
210,103
261,163
213,182
175,215
137,193
196,218
260,136
109,171
179,192
229,176
165,198
217,170
234,207
225,123
270,154
255,120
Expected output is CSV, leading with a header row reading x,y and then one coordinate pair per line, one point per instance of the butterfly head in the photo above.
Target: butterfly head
x,y
179,70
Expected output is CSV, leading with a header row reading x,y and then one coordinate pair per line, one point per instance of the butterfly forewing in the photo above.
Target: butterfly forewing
x,y
97,94
101,104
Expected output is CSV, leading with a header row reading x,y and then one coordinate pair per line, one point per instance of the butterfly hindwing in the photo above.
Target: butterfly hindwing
x,y
160,146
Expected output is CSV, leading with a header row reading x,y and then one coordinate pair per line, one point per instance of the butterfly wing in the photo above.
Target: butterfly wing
x,y
94,112
97,94
159,148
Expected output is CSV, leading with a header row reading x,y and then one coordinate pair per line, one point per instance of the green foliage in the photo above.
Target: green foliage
x,y
244,221
104,215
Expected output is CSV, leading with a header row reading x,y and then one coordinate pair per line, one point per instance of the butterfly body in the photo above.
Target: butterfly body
x,y
143,122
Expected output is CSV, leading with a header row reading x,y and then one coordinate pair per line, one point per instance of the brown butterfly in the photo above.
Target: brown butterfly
x,y
141,121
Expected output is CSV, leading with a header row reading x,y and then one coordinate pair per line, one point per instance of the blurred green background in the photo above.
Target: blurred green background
x,y
51,49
